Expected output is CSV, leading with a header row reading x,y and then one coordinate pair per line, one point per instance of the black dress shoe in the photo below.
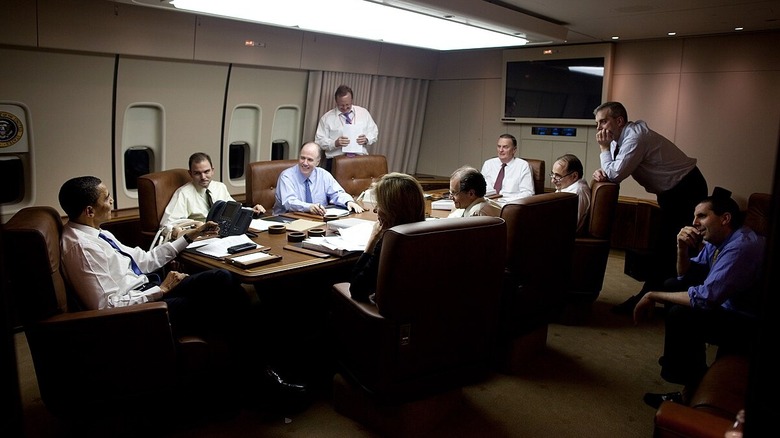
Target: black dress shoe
x,y
275,380
627,306
655,400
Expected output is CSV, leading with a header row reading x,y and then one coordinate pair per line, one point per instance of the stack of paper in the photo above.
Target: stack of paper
x,y
303,225
339,224
443,204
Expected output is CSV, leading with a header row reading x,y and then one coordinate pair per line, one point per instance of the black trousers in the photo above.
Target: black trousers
x,y
689,330
677,205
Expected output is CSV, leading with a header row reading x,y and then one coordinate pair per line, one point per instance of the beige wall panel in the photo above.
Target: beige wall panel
x,y
440,137
407,62
103,26
470,64
736,143
492,126
648,57
192,97
20,26
224,41
749,52
334,53
69,98
268,89
471,136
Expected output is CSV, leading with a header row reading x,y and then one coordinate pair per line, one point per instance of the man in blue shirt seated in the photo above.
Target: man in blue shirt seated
x,y
720,305
309,188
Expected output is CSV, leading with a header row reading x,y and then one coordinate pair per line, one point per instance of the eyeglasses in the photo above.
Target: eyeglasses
x,y
452,194
557,178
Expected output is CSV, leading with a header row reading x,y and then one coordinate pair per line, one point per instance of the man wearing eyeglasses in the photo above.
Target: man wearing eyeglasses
x,y
509,176
467,191
566,176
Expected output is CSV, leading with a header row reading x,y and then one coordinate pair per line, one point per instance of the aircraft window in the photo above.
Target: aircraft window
x,y
239,151
138,161
13,176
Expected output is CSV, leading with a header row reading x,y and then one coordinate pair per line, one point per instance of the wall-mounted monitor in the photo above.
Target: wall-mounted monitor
x,y
561,85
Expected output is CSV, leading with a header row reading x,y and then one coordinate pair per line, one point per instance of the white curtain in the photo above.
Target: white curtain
x,y
396,104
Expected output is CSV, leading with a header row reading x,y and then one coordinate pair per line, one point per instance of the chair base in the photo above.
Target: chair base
x,y
415,418
514,354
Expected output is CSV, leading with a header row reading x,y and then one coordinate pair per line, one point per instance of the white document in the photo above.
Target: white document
x,y
335,211
261,225
219,247
351,132
340,224
443,204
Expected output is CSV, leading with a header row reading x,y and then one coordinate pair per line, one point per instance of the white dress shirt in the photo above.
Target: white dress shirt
x,y
101,276
332,124
189,202
582,190
654,161
518,178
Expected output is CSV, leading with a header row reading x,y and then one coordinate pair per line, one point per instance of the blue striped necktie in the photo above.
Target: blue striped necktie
x,y
111,242
308,190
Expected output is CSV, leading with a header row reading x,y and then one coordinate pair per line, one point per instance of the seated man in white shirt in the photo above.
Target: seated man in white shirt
x,y
105,273
510,177
566,176
311,189
467,191
194,199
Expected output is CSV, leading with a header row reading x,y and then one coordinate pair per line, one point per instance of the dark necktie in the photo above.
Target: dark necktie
x,y
308,190
111,242
499,179
617,148
209,200
346,117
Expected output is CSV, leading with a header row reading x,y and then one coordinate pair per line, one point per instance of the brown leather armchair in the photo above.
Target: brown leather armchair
x,y
87,361
540,241
355,174
155,191
537,170
430,331
591,251
261,180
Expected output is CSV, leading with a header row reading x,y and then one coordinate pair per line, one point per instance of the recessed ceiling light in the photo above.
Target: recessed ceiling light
x,y
615,37
672,33
739,28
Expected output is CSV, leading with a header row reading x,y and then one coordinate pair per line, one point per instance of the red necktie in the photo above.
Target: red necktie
x,y
499,179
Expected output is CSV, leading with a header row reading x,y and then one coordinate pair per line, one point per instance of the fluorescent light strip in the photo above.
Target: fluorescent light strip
x,y
357,19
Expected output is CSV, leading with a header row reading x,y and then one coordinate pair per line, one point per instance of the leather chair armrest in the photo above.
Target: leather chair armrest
x,y
99,353
677,420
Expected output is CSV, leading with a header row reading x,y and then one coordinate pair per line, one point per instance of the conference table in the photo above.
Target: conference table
x,y
293,261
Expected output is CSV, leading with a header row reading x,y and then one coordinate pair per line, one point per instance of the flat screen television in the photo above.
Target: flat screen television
x,y
555,85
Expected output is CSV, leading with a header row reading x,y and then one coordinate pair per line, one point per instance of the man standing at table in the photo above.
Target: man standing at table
x,y
347,129
308,188
510,177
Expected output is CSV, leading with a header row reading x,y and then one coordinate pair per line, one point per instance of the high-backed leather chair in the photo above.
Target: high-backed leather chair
x,y
591,251
355,174
433,324
86,362
154,193
537,170
540,241
261,180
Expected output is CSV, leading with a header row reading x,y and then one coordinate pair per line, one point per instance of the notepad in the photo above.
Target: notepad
x,y
303,225
443,204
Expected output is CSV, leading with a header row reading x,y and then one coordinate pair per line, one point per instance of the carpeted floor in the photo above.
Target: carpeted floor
x,y
588,382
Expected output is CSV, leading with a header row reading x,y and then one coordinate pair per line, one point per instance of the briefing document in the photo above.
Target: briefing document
x,y
351,132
